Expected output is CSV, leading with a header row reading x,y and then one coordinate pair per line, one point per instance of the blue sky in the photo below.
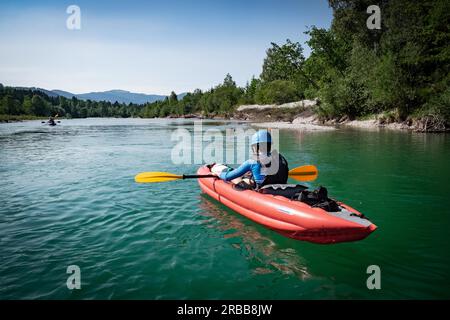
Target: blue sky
x,y
147,46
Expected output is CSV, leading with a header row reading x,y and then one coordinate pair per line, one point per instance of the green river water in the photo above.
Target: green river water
x,y
68,197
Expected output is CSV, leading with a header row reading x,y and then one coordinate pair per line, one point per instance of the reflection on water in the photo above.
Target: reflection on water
x,y
264,255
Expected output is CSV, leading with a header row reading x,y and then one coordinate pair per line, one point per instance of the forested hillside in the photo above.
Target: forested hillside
x,y
15,102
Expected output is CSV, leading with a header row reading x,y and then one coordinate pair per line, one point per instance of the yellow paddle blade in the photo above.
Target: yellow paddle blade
x,y
304,173
151,177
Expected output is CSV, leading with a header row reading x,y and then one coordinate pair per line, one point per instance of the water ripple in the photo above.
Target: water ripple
x,y
68,197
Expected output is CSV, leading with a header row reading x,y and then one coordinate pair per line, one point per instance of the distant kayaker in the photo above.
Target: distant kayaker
x,y
265,167
51,121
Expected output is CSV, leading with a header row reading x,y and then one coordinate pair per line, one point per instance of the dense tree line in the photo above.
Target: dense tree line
x,y
221,99
15,101
401,69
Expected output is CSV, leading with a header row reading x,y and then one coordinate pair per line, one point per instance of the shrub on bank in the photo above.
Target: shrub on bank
x,y
277,92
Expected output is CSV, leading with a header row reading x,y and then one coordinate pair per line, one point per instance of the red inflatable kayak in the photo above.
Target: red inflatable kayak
x,y
291,218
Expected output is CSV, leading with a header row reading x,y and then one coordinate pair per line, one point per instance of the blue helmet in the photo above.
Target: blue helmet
x,y
262,136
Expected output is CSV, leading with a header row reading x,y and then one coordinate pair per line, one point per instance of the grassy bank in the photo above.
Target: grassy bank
x,y
21,117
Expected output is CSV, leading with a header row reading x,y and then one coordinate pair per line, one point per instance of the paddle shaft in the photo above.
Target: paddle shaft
x,y
302,173
197,176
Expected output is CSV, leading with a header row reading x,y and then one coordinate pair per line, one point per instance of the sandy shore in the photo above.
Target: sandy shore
x,y
290,105
307,118
374,124
312,123
293,126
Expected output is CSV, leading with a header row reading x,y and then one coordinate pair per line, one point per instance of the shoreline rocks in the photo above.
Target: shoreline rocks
x,y
301,115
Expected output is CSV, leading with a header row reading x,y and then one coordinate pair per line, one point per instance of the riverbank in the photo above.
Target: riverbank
x,y
303,115
5,118
299,115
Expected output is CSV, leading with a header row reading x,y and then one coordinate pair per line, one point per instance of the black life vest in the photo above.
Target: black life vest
x,y
281,176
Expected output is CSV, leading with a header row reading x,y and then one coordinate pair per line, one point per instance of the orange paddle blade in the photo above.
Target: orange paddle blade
x,y
304,173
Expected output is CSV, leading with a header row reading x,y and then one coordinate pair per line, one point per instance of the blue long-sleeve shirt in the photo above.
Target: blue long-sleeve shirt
x,y
251,165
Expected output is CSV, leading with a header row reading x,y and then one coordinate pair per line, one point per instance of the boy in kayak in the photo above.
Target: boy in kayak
x,y
265,167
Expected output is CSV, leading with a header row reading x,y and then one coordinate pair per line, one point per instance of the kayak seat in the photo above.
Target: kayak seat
x,y
285,190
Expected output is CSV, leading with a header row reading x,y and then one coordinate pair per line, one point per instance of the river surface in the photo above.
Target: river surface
x,y
68,197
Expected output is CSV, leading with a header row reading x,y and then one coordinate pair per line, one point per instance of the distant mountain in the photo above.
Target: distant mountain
x,y
64,94
50,93
121,96
112,96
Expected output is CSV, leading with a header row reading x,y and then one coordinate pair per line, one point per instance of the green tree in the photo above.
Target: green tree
x,y
328,51
8,104
225,97
27,105
249,93
283,62
173,98
286,62
276,92
228,81
39,106
3,109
